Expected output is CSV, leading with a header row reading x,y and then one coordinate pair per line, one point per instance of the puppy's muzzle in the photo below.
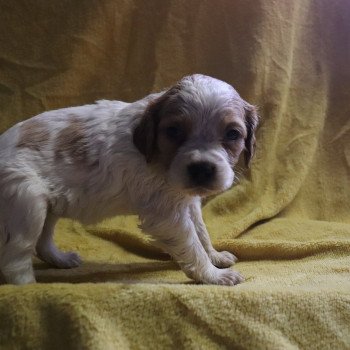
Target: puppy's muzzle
x,y
201,173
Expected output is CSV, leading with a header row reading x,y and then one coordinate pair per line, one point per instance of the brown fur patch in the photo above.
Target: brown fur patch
x,y
33,135
169,146
72,141
235,147
252,121
230,121
145,134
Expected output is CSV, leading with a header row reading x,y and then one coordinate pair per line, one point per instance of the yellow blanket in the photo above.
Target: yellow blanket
x,y
288,220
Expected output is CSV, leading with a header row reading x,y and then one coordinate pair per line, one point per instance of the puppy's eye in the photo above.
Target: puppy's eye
x,y
232,135
173,132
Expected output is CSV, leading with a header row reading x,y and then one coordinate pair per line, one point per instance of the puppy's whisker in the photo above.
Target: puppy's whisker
x,y
236,181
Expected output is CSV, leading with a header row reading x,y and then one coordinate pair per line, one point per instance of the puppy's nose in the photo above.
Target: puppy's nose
x,y
201,173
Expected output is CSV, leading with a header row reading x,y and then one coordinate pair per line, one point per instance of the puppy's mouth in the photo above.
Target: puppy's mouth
x,y
202,191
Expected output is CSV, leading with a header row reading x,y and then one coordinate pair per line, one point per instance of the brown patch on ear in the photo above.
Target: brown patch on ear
x,y
251,121
33,135
72,141
145,134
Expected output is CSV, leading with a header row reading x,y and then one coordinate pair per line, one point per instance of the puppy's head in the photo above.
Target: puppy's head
x,y
196,131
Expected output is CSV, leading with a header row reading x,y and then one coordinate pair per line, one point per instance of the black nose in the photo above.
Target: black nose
x,y
201,173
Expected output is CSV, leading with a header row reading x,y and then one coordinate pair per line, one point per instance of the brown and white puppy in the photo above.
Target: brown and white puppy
x,y
156,157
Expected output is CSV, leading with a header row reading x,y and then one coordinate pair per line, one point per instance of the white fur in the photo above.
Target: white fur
x,y
37,187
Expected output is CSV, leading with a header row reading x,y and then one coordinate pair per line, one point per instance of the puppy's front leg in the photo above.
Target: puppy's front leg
x,y
219,259
176,234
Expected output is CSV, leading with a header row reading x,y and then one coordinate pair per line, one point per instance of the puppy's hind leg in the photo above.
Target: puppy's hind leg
x,y
21,223
16,264
47,250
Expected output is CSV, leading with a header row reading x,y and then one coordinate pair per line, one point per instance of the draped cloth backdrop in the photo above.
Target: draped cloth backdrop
x,y
288,219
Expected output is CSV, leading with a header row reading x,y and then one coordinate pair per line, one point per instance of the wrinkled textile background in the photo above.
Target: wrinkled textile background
x,y
288,220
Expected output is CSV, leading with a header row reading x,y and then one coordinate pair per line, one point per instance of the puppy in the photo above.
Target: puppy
x,y
156,157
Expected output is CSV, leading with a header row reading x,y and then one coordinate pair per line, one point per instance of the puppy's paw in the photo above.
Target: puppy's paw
x,y
224,277
61,260
222,259
68,260
229,277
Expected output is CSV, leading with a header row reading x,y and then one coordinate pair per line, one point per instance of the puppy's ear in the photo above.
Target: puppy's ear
x,y
145,134
251,121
